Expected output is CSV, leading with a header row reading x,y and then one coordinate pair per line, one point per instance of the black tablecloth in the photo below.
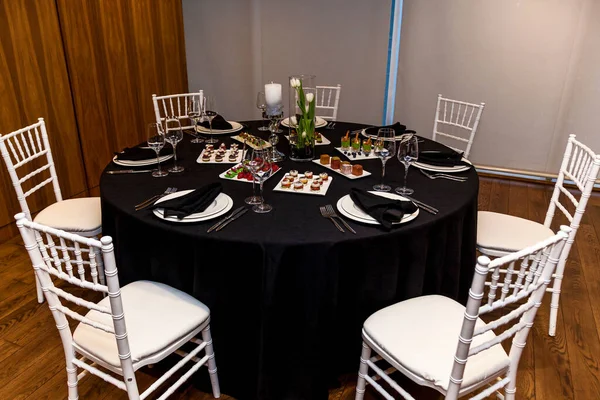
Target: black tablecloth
x,y
288,293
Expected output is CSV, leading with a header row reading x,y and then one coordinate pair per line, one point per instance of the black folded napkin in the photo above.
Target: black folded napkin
x,y
139,153
442,158
193,202
398,127
385,211
218,123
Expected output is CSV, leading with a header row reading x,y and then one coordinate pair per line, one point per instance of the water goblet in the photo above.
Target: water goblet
x,y
210,112
385,148
408,152
173,135
247,157
194,113
156,141
262,169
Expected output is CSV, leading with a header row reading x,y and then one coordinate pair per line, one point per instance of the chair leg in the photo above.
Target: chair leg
x,y
554,302
212,364
72,380
38,288
363,371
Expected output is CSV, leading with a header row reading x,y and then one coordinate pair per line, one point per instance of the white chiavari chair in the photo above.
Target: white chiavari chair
x,y
452,117
176,106
327,102
30,145
499,234
136,325
418,337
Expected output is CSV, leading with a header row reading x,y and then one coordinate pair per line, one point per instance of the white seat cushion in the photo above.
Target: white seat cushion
x,y
156,316
73,215
507,233
421,335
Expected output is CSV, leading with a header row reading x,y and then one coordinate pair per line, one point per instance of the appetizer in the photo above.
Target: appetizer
x,y
324,160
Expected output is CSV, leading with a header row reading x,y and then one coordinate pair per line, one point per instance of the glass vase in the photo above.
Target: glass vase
x,y
302,97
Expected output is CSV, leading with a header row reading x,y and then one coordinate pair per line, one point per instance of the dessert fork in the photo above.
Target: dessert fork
x,y
444,176
326,215
332,214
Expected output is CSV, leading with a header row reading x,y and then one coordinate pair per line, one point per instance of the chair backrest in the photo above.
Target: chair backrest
x,y
63,256
21,147
580,165
453,117
176,105
531,269
327,102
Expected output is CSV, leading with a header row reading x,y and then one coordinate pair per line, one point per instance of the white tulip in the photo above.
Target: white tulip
x,y
310,97
304,134
293,120
295,83
307,108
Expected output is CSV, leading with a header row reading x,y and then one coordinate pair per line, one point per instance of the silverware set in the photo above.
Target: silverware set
x,y
444,176
128,171
149,202
330,125
238,212
329,213
420,204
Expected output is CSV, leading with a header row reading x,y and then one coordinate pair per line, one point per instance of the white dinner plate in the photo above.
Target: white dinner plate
x,y
220,206
347,208
437,168
319,122
141,163
235,126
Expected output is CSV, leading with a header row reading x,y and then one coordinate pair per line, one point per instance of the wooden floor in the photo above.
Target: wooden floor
x,y
562,367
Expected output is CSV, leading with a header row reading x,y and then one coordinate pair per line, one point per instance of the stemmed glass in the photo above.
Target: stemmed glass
x,y
173,135
210,112
247,158
408,152
385,148
194,112
156,141
261,104
261,169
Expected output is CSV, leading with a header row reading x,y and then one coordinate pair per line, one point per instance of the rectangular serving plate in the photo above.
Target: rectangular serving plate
x,y
358,157
306,188
365,172
225,158
222,175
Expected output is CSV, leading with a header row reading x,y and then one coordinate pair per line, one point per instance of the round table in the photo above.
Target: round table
x,y
288,292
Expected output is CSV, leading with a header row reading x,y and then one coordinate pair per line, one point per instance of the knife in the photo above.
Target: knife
x,y
244,211
128,171
237,210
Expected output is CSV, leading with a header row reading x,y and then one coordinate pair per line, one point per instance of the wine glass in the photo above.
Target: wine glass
x,y
194,112
247,157
261,104
173,135
408,152
210,112
156,141
261,169
385,148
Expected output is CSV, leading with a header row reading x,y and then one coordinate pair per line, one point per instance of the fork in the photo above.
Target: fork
x,y
332,214
330,125
444,176
326,215
154,199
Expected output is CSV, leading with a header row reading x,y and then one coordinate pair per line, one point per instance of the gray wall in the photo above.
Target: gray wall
x,y
234,47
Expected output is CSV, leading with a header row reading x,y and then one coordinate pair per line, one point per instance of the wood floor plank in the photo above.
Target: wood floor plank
x,y
7,349
581,331
552,368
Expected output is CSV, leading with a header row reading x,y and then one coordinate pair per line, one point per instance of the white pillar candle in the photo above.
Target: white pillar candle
x,y
273,94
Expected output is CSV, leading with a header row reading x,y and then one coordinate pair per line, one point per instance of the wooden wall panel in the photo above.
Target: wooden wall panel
x,y
119,53
34,83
